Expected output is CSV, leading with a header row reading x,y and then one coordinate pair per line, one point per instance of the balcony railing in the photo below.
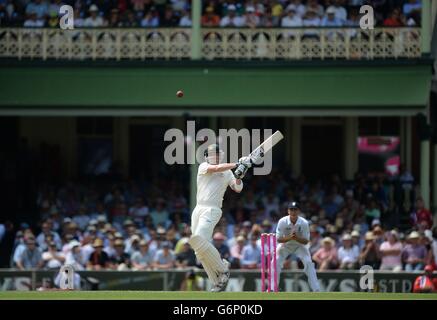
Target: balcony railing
x,y
217,43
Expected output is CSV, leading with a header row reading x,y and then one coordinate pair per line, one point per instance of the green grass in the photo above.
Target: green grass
x,y
167,295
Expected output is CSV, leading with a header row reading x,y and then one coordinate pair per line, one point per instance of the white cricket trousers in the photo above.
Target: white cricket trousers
x,y
304,255
203,221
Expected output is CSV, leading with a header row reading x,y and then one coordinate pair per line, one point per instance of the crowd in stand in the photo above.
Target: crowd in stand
x,y
215,13
135,226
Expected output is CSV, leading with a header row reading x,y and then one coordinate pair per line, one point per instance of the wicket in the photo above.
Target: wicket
x,y
270,266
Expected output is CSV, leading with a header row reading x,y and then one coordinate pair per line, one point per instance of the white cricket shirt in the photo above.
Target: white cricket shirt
x,y
285,228
211,187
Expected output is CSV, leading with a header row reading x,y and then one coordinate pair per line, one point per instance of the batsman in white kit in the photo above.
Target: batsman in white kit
x,y
293,234
213,178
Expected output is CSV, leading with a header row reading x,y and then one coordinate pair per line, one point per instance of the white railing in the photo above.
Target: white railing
x,y
175,43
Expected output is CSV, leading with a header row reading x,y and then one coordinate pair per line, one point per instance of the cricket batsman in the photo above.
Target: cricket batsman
x,y
213,178
293,235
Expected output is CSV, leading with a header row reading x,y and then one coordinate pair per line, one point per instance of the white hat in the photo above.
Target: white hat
x,y
414,235
355,233
74,243
250,9
291,7
376,222
347,236
93,7
330,10
231,7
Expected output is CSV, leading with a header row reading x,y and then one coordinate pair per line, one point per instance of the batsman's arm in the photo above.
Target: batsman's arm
x,y
236,184
214,168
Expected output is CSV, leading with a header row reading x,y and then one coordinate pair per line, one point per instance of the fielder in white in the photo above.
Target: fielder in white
x,y
213,178
293,234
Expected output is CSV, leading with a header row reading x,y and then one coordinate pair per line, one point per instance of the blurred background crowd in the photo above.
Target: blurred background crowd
x,y
128,225
216,13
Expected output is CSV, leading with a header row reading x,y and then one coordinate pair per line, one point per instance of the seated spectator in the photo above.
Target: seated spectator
x,y
169,19
372,212
94,20
210,19
30,257
39,8
340,12
130,20
120,260
232,19
143,259
81,218
185,20
348,254
395,19
219,244
150,20
391,252
164,258
300,8
75,256
251,254
370,254
421,217
46,232
291,19
277,10
237,252
315,240
425,283
315,6
326,256
251,19
159,214
414,253
356,239
186,258
33,22
53,259
99,259
54,7
330,19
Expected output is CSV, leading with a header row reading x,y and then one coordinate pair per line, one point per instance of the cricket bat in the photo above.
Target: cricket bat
x,y
260,152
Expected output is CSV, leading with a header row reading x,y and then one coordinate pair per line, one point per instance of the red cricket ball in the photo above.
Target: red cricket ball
x,y
180,94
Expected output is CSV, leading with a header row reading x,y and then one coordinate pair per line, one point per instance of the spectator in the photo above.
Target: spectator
x,y
33,21
412,8
326,256
395,19
237,252
164,258
370,254
94,20
340,12
422,217
251,255
372,212
232,19
391,252
142,259
169,19
185,20
186,258
46,233
414,253
120,260
160,215
315,6
315,240
82,218
277,11
425,283
251,19
348,254
99,259
291,19
330,19
53,259
30,257
210,19
434,248
219,244
300,8
150,20
130,20
39,8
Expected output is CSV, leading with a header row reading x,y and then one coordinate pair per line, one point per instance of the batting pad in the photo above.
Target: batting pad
x,y
208,256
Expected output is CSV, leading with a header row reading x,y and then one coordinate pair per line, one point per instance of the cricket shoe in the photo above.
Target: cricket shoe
x,y
223,278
